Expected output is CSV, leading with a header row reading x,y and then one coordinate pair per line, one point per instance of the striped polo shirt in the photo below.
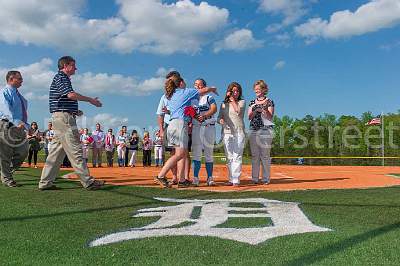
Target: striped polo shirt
x,y
59,89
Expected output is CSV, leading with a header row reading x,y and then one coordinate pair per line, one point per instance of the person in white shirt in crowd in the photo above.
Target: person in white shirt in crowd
x,y
203,133
158,149
98,145
261,113
109,146
86,140
121,148
48,138
231,118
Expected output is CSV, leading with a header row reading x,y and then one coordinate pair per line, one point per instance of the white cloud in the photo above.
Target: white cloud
x,y
280,64
106,121
143,25
54,24
282,39
372,16
291,10
239,40
153,26
38,77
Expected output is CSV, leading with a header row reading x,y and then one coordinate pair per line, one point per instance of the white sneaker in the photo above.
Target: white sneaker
x,y
210,182
196,181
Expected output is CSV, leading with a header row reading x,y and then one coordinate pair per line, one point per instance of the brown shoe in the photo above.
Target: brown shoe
x,y
97,184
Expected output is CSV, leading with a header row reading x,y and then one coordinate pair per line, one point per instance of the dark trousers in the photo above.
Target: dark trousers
x,y
33,153
110,158
126,157
146,157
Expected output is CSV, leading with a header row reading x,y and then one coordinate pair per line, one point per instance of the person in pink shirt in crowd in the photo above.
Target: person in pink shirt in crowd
x,y
98,145
86,140
147,145
109,146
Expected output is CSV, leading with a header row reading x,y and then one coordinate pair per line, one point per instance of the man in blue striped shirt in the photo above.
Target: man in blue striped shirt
x,y
63,102
13,123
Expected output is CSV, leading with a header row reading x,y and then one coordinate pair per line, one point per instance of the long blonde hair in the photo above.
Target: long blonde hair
x,y
171,85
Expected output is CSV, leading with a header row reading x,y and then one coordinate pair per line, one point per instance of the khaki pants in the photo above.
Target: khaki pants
x,y
13,150
260,145
65,141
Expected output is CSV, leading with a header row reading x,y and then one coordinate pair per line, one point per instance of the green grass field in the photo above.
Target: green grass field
x,y
55,227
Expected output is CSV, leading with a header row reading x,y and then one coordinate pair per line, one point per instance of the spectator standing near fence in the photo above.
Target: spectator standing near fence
x,y
98,145
109,147
34,144
48,138
134,147
147,146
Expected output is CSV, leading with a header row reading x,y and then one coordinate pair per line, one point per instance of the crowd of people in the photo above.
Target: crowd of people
x,y
187,119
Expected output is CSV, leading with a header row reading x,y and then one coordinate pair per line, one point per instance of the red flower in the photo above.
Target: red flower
x,y
190,111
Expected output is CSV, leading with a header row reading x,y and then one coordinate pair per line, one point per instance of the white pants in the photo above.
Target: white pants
x,y
132,161
234,145
85,151
260,145
203,138
158,152
121,152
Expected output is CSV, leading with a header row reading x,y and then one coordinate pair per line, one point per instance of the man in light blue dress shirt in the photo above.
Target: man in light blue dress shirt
x,y
13,123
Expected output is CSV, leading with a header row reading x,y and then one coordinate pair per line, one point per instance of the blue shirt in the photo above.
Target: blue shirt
x,y
180,100
58,99
11,107
163,103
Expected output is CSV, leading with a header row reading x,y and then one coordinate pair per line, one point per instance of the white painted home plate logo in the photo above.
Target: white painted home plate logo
x,y
205,217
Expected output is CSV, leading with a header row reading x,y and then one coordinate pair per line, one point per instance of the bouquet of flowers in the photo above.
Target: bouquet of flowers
x,y
190,112
90,140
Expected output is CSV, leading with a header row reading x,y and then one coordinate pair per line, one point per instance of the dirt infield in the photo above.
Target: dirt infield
x,y
283,177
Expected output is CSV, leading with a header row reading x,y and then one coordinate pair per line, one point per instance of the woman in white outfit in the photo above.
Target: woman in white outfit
x,y
231,117
261,112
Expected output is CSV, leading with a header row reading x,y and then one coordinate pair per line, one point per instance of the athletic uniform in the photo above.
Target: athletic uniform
x,y
203,138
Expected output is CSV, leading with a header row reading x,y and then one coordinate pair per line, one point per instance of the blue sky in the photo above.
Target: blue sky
x,y
338,57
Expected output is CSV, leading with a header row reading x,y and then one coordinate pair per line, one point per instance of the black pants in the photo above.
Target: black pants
x,y
126,157
33,153
146,157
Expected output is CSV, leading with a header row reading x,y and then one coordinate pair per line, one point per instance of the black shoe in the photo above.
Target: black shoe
x,y
185,183
52,187
11,183
162,181
97,184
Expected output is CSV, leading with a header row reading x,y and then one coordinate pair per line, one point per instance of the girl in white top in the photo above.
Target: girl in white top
x,y
85,140
261,112
121,145
158,149
231,117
